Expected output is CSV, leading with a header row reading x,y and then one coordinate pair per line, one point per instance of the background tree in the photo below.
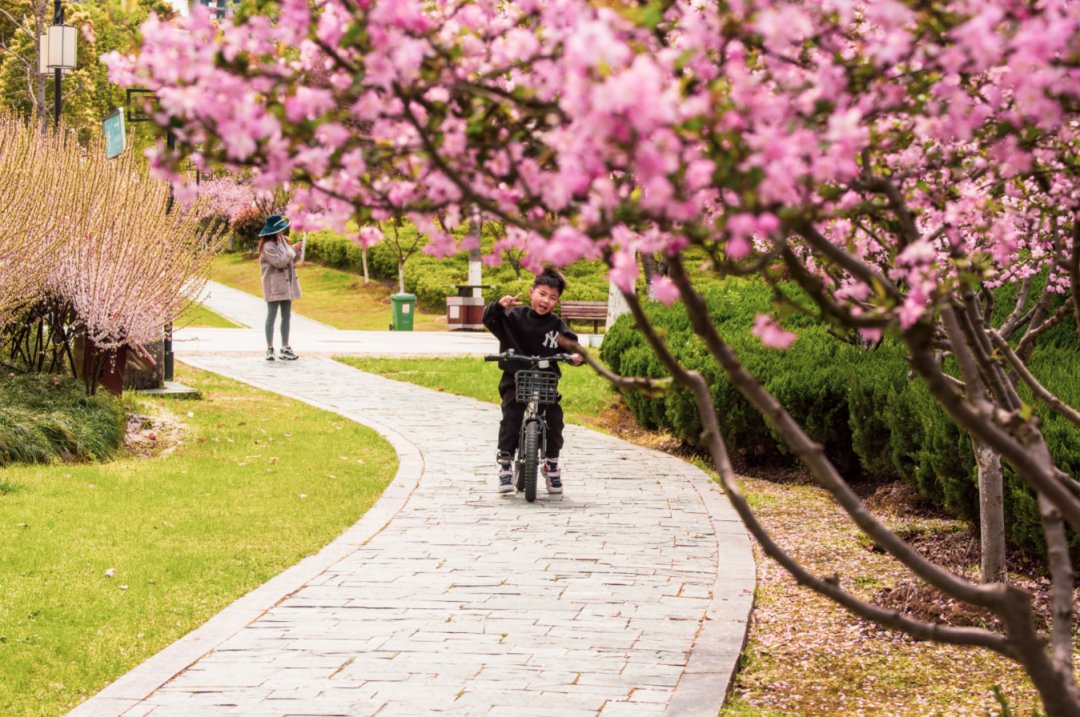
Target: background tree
x,y
892,159
88,94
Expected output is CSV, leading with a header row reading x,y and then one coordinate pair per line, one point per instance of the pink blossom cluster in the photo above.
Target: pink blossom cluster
x,y
218,196
894,151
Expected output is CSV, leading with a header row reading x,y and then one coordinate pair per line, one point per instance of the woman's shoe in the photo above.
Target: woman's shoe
x,y
270,353
287,354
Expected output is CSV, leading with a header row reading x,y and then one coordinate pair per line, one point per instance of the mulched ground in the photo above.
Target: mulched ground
x,y
808,656
149,436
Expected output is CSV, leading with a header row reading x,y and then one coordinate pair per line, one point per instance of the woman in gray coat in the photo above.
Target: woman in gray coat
x,y
277,262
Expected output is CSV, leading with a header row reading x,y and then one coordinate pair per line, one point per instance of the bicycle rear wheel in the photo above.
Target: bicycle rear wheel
x,y
531,464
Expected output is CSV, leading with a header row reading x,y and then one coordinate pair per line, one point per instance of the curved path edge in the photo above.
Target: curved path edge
x,y
714,656
142,680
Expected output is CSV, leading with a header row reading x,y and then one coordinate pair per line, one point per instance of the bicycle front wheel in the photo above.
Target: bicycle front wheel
x,y
531,464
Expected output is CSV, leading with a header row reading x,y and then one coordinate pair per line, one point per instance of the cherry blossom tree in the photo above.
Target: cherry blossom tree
x,y
221,197
895,159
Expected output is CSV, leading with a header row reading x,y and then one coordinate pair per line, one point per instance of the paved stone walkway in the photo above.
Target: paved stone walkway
x,y
627,596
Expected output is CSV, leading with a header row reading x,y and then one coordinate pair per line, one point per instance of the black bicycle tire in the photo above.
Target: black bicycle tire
x,y
531,464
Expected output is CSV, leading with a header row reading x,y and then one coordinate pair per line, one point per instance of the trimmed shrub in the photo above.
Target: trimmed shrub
x,y
861,405
815,392
873,429
47,418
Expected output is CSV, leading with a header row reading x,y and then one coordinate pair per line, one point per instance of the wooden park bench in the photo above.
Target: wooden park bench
x,y
594,311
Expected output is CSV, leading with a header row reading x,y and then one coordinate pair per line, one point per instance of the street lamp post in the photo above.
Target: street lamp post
x,y
57,52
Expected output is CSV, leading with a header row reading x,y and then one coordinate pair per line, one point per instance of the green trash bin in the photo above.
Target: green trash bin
x,y
401,309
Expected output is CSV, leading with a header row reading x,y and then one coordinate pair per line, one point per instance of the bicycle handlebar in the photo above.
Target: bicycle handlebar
x,y
533,360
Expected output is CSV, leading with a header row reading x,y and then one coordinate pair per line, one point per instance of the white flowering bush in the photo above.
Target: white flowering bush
x,y
89,250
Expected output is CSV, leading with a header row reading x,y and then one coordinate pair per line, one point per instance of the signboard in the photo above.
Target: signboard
x,y
114,134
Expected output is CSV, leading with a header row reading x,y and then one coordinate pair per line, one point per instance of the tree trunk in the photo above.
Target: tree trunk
x,y
648,266
616,305
1054,680
363,262
476,271
38,95
401,274
991,513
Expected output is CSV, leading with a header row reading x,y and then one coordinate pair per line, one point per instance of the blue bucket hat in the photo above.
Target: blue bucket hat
x,y
274,223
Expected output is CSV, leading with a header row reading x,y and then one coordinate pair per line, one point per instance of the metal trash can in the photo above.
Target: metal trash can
x,y
401,310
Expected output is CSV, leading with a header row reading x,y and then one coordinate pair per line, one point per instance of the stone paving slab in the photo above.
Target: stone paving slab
x,y
629,595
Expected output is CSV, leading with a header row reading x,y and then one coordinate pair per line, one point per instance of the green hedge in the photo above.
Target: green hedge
x,y
861,405
46,418
432,279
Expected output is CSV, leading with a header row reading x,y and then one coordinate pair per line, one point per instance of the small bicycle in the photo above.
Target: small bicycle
x,y
535,387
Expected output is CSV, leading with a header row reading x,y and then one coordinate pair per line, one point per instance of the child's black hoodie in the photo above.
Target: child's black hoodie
x,y
526,332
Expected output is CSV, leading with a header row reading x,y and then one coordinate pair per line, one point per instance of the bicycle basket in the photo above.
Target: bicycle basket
x,y
541,386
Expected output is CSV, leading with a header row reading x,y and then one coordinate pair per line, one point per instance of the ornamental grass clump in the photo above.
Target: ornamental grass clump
x,y
48,418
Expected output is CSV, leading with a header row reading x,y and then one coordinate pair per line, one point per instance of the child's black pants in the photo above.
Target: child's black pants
x,y
513,413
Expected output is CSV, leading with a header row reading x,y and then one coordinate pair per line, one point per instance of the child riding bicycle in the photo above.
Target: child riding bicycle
x,y
531,330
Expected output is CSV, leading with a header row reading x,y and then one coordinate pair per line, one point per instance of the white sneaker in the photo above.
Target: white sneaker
x,y
553,478
506,482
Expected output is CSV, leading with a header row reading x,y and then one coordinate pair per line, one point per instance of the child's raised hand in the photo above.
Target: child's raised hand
x,y
507,301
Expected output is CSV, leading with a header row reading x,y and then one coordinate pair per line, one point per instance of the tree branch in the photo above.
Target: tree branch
x,y
1012,321
815,288
1035,332
909,231
1030,456
828,587
1074,270
846,260
975,331
436,159
813,456
1063,580
1053,402
651,387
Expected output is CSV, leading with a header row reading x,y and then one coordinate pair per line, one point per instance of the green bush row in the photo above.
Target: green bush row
x,y
433,279
861,404
47,418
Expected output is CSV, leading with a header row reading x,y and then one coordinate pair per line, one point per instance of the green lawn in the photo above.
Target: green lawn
x,y
256,483
334,297
585,393
202,317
